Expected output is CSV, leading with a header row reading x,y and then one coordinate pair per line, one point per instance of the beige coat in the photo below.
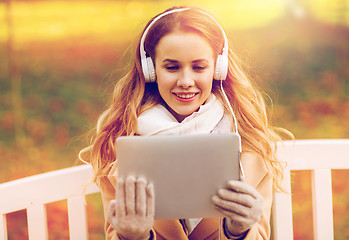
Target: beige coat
x,y
256,175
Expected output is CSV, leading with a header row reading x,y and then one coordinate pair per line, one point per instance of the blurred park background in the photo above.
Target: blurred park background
x,y
60,59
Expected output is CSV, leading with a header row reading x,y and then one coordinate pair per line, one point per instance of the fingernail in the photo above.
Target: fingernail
x,y
220,191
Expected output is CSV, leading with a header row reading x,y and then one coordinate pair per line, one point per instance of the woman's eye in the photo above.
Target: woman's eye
x,y
199,68
172,68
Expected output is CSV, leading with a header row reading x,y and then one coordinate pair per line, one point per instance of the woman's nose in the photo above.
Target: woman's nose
x,y
186,79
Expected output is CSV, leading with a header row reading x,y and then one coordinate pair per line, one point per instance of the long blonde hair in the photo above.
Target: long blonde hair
x,y
132,96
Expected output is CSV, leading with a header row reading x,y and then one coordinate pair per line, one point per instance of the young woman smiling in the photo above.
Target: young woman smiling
x,y
183,92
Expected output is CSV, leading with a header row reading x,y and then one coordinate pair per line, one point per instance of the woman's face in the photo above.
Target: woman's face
x,y
184,66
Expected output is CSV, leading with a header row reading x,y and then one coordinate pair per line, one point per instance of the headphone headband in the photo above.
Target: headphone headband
x,y
147,63
141,48
221,64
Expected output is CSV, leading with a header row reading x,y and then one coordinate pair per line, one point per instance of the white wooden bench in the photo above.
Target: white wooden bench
x,y
33,193
320,157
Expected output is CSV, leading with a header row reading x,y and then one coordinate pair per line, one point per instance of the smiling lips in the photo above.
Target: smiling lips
x,y
185,97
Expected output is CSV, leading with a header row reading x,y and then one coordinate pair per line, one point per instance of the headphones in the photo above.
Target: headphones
x,y
148,65
220,72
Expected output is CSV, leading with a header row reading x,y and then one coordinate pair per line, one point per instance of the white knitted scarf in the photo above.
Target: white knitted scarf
x,y
159,121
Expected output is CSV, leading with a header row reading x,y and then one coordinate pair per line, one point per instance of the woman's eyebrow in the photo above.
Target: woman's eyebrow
x,y
170,60
194,61
200,60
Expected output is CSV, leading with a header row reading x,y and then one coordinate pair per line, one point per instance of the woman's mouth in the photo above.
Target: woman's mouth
x,y
185,97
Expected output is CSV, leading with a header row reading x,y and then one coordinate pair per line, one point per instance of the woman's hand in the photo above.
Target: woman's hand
x,y
241,204
132,212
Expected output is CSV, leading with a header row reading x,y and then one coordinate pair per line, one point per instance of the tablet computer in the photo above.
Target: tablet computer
x,y
186,170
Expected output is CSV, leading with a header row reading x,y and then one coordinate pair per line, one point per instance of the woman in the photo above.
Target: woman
x,y
182,69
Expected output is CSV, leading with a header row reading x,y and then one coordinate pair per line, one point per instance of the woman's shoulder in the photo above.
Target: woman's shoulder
x,y
254,167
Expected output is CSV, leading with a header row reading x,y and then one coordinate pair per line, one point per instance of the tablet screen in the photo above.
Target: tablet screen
x,y
186,170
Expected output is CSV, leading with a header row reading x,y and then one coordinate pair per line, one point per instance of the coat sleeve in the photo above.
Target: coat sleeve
x,y
258,176
107,193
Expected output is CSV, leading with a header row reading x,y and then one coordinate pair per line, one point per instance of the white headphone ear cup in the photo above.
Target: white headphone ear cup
x,y
221,67
151,70
145,67
217,73
224,67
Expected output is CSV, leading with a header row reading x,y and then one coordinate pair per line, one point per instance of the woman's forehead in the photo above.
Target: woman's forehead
x,y
179,43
